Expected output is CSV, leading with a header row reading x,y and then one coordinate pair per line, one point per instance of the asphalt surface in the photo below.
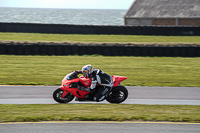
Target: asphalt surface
x,y
100,128
137,95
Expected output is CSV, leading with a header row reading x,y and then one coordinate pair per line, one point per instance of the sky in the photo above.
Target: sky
x,y
72,4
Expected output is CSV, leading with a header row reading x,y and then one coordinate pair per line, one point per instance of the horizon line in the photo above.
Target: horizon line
x,y
67,8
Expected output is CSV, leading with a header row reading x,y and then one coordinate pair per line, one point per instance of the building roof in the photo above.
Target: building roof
x,y
164,9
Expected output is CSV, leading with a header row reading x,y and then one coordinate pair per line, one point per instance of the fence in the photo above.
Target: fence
x,y
99,29
106,50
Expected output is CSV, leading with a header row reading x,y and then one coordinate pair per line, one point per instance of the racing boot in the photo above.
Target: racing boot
x,y
101,94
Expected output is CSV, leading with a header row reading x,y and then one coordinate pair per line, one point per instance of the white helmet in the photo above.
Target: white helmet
x,y
87,70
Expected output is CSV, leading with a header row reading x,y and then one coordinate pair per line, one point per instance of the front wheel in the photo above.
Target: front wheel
x,y
57,96
117,95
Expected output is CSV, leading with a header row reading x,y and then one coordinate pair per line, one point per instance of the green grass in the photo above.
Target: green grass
x,y
102,112
141,71
99,38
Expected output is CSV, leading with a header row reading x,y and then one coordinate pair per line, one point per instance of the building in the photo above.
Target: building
x,y
164,12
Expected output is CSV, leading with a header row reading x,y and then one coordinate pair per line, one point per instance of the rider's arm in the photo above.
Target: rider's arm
x,y
94,81
78,72
93,84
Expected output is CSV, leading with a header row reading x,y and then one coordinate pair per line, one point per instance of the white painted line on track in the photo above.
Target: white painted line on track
x,y
133,122
128,101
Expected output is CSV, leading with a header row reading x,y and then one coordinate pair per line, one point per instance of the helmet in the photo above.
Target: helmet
x,y
87,70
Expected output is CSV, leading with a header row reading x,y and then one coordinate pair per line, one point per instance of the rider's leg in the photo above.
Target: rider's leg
x,y
101,93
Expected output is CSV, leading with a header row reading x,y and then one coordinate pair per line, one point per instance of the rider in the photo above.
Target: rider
x,y
97,76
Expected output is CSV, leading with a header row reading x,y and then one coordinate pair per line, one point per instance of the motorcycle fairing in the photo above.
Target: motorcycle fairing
x,y
74,91
117,80
67,87
85,82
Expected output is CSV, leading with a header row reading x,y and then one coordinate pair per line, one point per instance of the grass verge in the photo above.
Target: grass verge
x,y
123,39
141,71
99,112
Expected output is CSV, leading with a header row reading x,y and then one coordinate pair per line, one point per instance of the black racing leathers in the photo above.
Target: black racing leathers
x,y
103,79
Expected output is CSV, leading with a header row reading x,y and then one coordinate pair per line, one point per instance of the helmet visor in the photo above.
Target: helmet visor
x,y
85,73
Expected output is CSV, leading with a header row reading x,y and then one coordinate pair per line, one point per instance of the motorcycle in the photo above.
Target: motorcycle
x,y
72,84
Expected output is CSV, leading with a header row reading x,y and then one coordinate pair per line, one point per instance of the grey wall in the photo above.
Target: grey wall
x,y
106,50
99,29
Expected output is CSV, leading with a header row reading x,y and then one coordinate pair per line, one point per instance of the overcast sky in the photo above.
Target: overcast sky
x,y
74,4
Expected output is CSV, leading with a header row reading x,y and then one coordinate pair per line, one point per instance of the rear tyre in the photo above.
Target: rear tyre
x,y
118,94
57,96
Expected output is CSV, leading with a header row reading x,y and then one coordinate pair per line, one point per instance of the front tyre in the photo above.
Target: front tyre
x,y
117,95
57,96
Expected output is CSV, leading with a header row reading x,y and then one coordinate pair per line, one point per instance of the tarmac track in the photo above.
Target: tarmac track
x,y
99,127
137,95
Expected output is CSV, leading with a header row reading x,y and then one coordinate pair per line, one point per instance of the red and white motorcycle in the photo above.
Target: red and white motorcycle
x,y
71,87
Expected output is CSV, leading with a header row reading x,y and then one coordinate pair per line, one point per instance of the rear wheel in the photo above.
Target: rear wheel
x,y
117,95
57,96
